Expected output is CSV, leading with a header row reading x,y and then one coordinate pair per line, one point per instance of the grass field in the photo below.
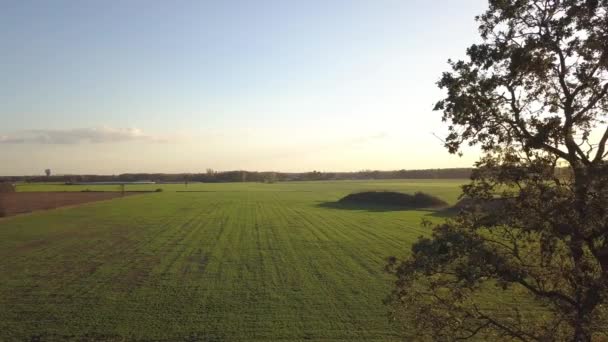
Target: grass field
x,y
223,262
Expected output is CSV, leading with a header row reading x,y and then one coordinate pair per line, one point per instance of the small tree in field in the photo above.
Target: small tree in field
x,y
534,96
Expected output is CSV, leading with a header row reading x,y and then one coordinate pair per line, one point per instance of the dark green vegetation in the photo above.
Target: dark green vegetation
x,y
533,95
418,200
6,187
221,262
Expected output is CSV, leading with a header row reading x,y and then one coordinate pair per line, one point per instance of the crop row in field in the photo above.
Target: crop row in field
x,y
222,262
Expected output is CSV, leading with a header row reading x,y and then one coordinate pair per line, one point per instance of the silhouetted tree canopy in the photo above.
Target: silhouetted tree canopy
x,y
533,95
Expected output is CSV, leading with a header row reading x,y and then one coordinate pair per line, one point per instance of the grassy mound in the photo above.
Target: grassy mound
x,y
396,199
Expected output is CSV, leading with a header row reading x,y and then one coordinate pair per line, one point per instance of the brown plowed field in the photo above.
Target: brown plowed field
x,y
14,203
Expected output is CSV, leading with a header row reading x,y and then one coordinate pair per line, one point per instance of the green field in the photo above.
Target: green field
x,y
223,262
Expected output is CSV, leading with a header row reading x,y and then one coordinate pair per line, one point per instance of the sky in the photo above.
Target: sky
x,y
108,87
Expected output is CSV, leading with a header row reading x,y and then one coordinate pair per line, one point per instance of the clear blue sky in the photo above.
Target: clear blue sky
x,y
172,86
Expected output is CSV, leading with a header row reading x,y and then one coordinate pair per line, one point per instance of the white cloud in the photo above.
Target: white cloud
x,y
95,135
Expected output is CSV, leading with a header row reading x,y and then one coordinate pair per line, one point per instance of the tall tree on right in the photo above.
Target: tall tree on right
x,y
528,258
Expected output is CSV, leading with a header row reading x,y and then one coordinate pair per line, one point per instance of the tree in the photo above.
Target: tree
x,y
270,177
211,175
47,172
533,94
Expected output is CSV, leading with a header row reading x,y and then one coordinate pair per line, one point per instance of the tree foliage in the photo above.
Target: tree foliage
x,y
534,96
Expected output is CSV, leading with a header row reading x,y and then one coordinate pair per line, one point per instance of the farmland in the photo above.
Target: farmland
x,y
212,262
13,203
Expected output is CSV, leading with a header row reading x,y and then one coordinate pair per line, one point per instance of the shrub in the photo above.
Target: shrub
x,y
7,187
158,190
490,206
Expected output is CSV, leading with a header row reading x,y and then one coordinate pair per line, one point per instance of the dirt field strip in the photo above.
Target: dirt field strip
x,y
26,202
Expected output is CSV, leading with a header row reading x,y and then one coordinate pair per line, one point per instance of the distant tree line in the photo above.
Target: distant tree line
x,y
211,176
